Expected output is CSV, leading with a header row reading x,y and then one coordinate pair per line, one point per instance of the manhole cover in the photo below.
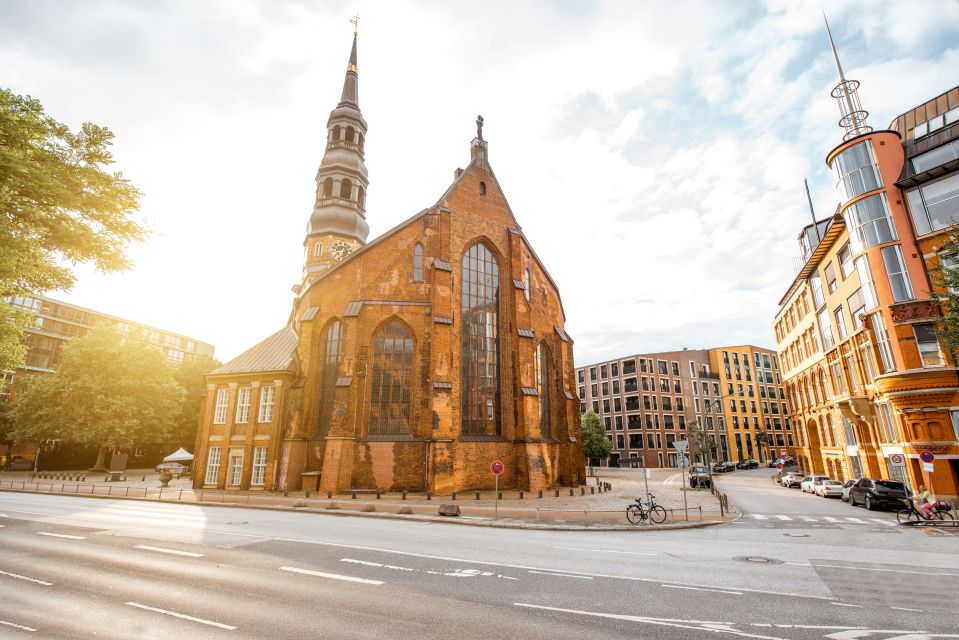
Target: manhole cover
x,y
758,560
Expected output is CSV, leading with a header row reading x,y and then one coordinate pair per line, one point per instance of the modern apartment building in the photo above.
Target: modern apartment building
x,y
646,401
869,387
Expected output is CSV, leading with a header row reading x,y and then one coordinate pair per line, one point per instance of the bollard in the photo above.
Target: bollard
x,y
286,494
329,495
377,494
307,493
557,493
540,494
353,495
453,497
404,494
499,495
520,495
477,495
592,490
582,491
570,491
144,478
429,496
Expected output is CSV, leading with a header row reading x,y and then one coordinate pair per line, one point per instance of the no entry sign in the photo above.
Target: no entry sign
x,y
497,467
927,456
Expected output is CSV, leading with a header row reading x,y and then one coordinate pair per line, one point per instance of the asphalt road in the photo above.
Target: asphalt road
x,y
82,568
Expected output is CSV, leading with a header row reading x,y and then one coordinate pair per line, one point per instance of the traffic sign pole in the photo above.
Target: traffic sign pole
x,y
496,467
496,501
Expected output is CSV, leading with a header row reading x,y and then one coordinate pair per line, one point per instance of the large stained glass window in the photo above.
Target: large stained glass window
x,y
543,384
480,343
332,349
390,397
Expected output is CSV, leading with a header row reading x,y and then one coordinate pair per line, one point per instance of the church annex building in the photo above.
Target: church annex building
x,y
408,362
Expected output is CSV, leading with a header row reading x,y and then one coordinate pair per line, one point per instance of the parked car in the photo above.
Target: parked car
x,y
723,467
791,479
807,484
872,493
845,489
748,464
829,489
699,477
175,468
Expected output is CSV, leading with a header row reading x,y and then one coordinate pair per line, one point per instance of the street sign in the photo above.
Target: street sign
x,y
680,445
897,460
497,468
927,456
927,467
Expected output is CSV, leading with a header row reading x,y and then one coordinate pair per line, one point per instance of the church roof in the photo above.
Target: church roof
x,y
273,354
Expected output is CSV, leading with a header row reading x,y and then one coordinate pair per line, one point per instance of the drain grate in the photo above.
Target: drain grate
x,y
758,559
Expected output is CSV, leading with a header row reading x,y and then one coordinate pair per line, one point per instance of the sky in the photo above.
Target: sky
x,y
653,152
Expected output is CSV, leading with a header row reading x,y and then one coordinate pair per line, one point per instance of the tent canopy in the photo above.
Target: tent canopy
x,y
180,455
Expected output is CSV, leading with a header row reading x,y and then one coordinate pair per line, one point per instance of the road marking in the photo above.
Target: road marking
x,y
784,517
808,519
3,526
561,575
631,553
886,522
182,616
929,572
333,576
699,625
60,535
846,604
856,520
17,626
829,519
676,586
906,609
188,554
19,577
759,516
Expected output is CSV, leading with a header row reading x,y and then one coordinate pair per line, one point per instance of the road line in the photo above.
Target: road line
x,y
3,526
784,517
188,554
846,604
830,519
631,553
182,616
561,575
885,522
19,577
333,576
676,586
60,535
808,519
759,516
17,626
856,520
906,609
930,572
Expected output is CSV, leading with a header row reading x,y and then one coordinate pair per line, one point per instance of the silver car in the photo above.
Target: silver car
x,y
845,489
829,489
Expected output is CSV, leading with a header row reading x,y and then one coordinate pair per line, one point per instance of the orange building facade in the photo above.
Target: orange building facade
x,y
870,389
409,362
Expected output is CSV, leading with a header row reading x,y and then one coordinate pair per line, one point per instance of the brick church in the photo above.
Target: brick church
x,y
411,361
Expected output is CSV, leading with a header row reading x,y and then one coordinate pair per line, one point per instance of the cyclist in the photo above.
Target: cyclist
x,y
924,501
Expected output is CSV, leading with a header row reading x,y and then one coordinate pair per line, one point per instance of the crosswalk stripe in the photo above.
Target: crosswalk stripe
x,y
856,520
784,517
808,519
886,522
759,517
828,519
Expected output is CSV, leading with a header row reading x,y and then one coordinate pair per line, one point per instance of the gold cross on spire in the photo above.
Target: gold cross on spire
x,y
355,21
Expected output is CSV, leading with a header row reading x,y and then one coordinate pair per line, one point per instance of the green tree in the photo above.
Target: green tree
x,y
946,284
58,208
109,390
698,442
595,443
191,377
762,438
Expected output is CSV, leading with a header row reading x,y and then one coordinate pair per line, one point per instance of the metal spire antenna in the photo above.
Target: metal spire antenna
x,y
355,21
846,93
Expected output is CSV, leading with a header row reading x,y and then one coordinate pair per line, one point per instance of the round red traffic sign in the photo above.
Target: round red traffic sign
x,y
927,456
497,467
897,459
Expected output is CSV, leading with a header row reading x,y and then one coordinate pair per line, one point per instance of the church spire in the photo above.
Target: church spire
x,y
846,93
338,223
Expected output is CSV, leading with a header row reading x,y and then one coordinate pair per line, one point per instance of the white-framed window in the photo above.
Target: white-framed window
x,y
817,296
266,404
936,157
882,342
418,263
857,307
825,328
845,261
887,424
869,297
236,470
526,284
896,270
222,400
954,415
869,223
259,466
841,323
857,171
212,465
934,205
318,249
243,405
928,344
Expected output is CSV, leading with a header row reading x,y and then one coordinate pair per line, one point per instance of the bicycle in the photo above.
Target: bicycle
x,y
939,511
639,512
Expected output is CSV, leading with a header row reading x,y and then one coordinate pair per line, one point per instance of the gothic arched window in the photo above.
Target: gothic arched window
x,y
480,343
392,380
526,284
328,188
350,131
336,133
418,262
482,188
346,189
543,385
332,350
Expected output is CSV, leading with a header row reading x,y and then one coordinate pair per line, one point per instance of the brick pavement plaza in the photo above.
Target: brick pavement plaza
x,y
595,508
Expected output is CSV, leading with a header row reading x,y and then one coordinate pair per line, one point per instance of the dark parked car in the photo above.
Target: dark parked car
x,y
747,464
723,467
877,493
699,477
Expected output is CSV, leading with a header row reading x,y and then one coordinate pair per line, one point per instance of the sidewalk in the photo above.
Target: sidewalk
x,y
580,511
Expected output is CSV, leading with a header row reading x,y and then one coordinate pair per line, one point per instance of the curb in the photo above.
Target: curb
x,y
408,518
